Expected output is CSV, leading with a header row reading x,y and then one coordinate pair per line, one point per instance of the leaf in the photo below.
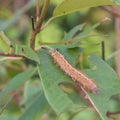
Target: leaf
x,y
17,81
31,89
50,77
68,6
103,74
3,45
27,52
86,32
73,31
107,81
76,41
86,115
37,107
70,42
8,116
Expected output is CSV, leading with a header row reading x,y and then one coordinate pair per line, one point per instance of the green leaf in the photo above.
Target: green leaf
x,y
37,107
17,81
77,40
8,116
68,6
50,77
86,32
103,74
107,81
27,52
3,46
86,115
73,31
31,90
71,41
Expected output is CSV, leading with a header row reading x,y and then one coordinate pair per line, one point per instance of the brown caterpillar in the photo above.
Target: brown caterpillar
x,y
76,75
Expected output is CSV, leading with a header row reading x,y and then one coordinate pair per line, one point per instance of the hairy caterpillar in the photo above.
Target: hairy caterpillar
x,y
76,75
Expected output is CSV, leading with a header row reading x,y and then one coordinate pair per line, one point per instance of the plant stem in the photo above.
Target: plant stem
x,y
117,42
115,10
37,10
111,10
9,55
39,23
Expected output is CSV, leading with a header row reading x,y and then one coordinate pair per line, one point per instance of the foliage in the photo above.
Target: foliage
x,y
75,5
35,87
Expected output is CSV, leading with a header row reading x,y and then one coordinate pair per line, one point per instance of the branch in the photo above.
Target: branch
x,y
111,10
111,115
39,24
43,13
37,10
11,56
45,25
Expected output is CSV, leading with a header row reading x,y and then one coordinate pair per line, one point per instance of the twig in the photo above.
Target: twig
x,y
113,113
11,58
32,20
44,26
42,16
114,54
86,96
9,55
110,115
37,10
111,10
103,50
39,23
59,42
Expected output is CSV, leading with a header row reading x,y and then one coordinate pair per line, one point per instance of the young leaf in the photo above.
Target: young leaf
x,y
71,40
73,31
27,52
3,42
77,39
17,81
86,32
68,6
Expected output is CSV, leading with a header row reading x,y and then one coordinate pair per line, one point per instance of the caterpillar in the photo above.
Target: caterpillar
x,y
76,75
